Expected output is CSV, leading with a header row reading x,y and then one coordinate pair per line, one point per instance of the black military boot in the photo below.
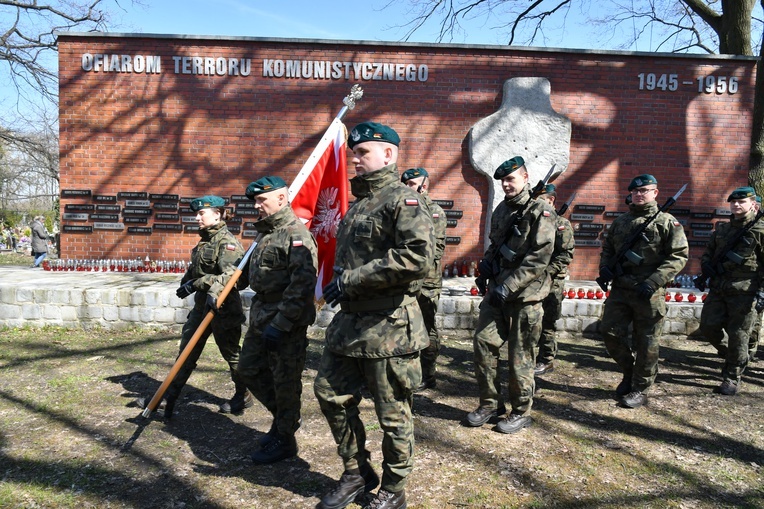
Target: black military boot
x,y
241,399
281,447
483,414
624,387
350,486
513,423
634,399
388,500
543,367
728,388
427,383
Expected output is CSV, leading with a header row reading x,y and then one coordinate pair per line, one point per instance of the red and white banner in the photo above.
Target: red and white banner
x,y
319,196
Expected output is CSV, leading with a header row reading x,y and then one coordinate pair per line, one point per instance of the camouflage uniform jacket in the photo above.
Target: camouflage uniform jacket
x,y
664,251
385,244
434,278
564,245
748,276
532,243
213,262
282,271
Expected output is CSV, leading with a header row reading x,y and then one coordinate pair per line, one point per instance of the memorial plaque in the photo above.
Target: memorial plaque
x,y
186,210
166,217
247,212
701,226
186,200
165,197
104,217
137,212
587,243
453,240
237,198
683,222
590,226
593,235
249,224
582,217
75,193
723,212
698,243
614,213
589,208
109,226
234,229
190,229
131,195
454,214
450,223
165,206
250,205
446,204
702,215
108,208
702,233
68,228
74,217
137,203
188,219
105,198
679,212
170,227
249,233
136,220
141,230
82,207
233,220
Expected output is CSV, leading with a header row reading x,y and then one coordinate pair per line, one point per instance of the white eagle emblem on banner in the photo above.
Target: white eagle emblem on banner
x,y
327,217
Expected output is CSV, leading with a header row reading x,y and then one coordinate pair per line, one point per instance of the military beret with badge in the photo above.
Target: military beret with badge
x,y
741,193
264,185
549,189
373,131
508,166
413,173
642,181
206,202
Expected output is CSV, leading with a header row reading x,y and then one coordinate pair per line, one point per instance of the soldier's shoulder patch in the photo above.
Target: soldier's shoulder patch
x,y
676,223
435,215
560,227
230,247
411,202
547,213
297,243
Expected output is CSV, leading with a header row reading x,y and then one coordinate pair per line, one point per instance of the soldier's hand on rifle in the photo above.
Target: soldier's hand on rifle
x,y
708,269
212,303
485,269
273,338
498,295
185,290
760,301
333,292
645,289
606,274
699,282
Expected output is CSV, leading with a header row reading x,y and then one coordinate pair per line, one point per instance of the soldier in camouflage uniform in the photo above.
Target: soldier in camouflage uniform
x,y
213,261
564,245
419,180
637,295
736,289
282,272
522,241
385,246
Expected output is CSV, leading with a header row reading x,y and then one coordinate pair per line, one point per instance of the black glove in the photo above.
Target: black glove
x,y
185,290
645,290
497,295
212,303
273,338
760,301
699,282
606,274
485,269
708,269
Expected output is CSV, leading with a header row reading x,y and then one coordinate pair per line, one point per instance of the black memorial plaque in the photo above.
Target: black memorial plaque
x,y
702,215
614,213
587,243
233,220
583,207
165,206
723,212
247,212
239,198
135,220
104,217
186,200
702,233
249,225
168,227
166,217
105,198
453,240
679,212
250,205
75,193
72,216
698,243
234,229
190,229
139,230
450,223
68,228
137,212
582,217
446,204
249,233
132,195
701,226
590,226
79,207
188,219
109,226
592,235
108,208
137,204
164,197
454,214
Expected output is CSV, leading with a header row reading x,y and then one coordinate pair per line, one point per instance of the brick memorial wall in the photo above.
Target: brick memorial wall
x,y
149,122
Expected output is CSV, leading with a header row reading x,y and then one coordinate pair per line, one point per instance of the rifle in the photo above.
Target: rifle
x,y
726,252
482,280
566,205
626,250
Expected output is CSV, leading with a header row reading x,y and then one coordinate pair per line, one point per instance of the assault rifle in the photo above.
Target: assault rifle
x,y
482,280
715,266
566,205
626,250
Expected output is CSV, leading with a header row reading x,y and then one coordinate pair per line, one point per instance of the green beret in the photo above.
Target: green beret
x,y
642,180
508,167
741,193
549,189
413,173
206,202
264,185
372,131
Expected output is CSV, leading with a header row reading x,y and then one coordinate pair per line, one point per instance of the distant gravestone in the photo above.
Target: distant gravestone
x,y
525,125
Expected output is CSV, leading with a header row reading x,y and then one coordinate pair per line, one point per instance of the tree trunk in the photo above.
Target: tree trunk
x,y
756,159
735,32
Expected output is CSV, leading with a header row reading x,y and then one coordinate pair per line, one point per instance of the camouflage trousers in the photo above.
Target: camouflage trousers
x,y
753,342
227,334
428,303
391,382
275,378
624,310
552,304
735,314
517,324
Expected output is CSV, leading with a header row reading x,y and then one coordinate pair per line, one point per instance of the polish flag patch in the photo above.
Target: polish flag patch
x,y
677,223
230,247
546,213
412,202
435,216
561,227
297,243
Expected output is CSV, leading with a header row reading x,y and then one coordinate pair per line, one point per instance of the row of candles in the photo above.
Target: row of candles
x,y
591,293
116,265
